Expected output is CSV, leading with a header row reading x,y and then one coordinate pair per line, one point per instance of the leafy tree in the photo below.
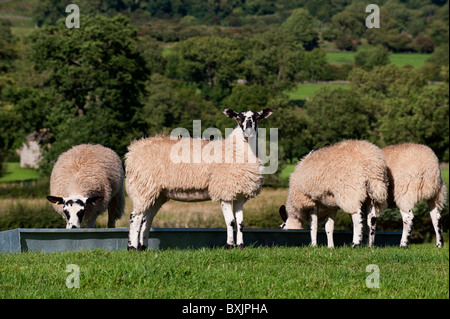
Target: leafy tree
x,y
97,76
170,104
8,51
422,118
337,114
368,59
298,28
314,65
247,97
273,61
295,138
438,59
387,81
346,28
406,109
212,63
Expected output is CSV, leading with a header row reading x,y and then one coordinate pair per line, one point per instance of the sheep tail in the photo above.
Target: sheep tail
x,y
378,191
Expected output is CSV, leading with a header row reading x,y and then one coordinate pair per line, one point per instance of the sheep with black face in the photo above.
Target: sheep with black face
x,y
350,175
85,181
153,177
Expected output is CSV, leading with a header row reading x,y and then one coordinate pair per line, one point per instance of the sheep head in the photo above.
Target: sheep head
x,y
74,208
248,120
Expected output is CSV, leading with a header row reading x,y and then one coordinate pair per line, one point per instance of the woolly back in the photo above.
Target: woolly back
x,y
221,166
413,169
343,174
87,170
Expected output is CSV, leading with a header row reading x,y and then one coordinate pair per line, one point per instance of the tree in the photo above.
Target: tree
x,y
170,104
97,77
337,114
404,107
421,118
8,52
211,63
298,28
273,60
368,59
387,81
347,27
314,65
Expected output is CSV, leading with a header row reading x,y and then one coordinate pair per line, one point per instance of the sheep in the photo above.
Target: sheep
x,y
350,175
85,181
414,175
153,176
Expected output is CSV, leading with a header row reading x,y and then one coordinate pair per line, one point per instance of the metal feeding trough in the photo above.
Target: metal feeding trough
x,y
56,240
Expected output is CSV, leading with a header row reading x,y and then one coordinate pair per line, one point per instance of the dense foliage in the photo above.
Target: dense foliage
x,y
137,68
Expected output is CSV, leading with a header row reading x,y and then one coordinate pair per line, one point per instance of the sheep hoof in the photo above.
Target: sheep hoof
x,y
131,248
229,246
142,248
404,246
356,245
241,246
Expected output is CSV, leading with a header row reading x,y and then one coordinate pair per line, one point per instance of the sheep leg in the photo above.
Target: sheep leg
x,y
358,226
116,208
371,223
147,223
135,229
437,224
227,210
313,227
237,208
407,218
329,229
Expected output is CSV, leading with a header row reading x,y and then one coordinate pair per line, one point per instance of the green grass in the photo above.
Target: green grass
x,y
398,59
444,175
307,90
422,271
340,57
14,173
414,59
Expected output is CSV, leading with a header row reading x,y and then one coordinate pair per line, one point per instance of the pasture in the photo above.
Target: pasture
x,y
15,173
399,59
421,271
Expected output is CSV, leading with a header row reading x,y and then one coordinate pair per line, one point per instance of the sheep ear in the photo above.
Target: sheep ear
x,y
55,200
94,200
283,213
230,113
265,113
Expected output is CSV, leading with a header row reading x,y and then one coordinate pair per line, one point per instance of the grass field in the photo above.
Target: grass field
x,y
399,59
306,90
14,173
422,271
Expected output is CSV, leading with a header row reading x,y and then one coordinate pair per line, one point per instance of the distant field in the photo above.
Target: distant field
x,y
399,59
303,91
14,173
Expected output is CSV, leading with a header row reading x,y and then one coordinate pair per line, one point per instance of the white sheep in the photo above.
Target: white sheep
x,y
85,181
153,176
350,175
414,175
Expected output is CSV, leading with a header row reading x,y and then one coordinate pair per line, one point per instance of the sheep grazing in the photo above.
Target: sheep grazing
x,y
85,181
154,177
350,175
414,175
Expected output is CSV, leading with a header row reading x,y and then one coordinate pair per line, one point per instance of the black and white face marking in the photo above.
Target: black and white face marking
x,y
74,208
248,120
